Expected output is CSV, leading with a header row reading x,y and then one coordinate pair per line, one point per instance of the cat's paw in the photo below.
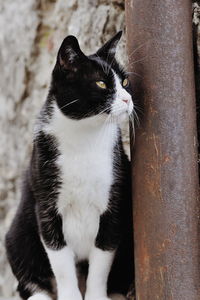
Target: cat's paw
x,y
71,295
97,298
39,296
103,298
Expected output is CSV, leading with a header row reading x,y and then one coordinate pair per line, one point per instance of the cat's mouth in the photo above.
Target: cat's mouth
x,y
122,112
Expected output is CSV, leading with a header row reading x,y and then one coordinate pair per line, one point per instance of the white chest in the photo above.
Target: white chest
x,y
84,196
86,165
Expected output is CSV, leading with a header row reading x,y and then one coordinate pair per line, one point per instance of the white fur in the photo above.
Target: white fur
x,y
85,161
71,54
40,296
120,109
99,267
63,265
32,287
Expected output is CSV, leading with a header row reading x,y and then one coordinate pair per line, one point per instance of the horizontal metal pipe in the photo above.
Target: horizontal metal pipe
x,y
165,178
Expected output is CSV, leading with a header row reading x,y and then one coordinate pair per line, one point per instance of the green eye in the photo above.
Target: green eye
x,y
125,82
101,84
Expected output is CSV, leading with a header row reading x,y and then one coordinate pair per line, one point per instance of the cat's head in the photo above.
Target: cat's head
x,y
84,86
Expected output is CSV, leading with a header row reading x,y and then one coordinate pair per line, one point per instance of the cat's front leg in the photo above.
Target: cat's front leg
x,y
61,256
63,265
100,262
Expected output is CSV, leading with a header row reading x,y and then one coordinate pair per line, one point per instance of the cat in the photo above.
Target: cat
x,y
75,215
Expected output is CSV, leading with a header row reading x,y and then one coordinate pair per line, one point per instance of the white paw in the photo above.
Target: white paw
x,y
103,298
97,298
39,296
71,295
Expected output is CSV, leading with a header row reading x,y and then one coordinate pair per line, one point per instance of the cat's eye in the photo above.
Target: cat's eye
x,y
101,84
125,82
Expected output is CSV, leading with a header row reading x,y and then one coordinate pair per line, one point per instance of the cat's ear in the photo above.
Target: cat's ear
x,y
108,50
70,54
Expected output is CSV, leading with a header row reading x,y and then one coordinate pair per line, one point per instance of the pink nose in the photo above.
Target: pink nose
x,y
126,101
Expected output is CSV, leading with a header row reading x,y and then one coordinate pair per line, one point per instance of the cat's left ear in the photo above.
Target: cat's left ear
x,y
108,50
70,54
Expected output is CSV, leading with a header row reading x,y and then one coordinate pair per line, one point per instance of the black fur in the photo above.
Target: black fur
x,y
73,77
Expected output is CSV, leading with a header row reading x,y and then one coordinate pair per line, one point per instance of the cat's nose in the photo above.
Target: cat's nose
x,y
125,100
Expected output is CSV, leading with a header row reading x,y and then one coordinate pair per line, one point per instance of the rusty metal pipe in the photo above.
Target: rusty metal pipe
x,y
165,177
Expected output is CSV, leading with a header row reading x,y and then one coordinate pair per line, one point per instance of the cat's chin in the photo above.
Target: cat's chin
x,y
120,118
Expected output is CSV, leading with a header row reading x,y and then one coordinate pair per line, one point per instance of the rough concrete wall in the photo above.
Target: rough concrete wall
x,y
17,36
30,34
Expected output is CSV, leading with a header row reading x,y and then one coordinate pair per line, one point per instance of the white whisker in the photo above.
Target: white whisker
x,y
132,128
136,118
69,103
103,111
137,61
128,73
102,132
137,48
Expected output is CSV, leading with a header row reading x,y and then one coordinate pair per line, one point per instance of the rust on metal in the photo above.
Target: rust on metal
x,y
165,177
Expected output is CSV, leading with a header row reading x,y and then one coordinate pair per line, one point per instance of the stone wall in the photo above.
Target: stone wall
x,y
30,34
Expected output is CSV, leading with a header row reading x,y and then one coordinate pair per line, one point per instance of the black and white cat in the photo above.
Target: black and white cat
x,y
75,212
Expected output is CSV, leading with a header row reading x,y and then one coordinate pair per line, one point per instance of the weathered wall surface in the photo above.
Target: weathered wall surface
x,y
30,34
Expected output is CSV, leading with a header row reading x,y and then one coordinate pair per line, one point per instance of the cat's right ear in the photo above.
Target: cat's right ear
x,y
107,51
70,54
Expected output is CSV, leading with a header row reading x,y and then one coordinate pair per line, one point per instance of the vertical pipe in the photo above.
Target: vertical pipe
x,y
165,180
